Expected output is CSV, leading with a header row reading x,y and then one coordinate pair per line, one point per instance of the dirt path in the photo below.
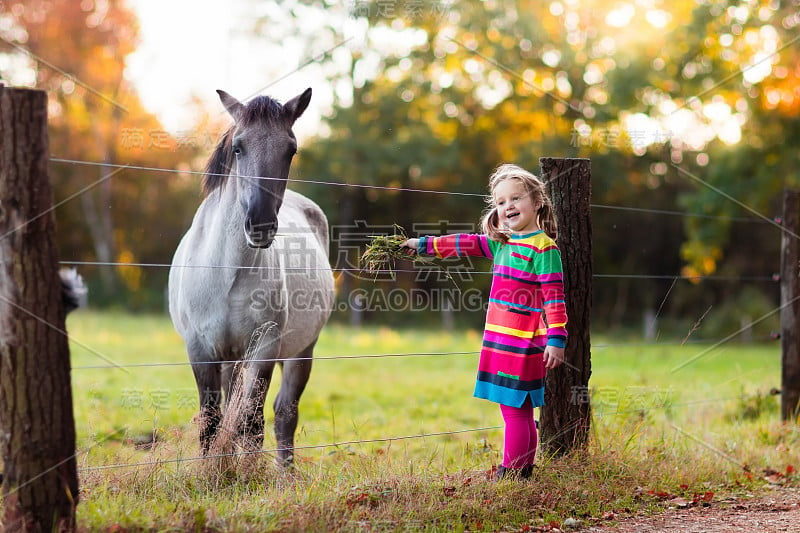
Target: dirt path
x,y
778,511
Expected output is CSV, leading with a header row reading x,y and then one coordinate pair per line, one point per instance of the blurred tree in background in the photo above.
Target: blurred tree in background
x,y
667,99
76,52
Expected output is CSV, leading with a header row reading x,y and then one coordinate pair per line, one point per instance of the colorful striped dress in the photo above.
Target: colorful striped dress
x,y
526,311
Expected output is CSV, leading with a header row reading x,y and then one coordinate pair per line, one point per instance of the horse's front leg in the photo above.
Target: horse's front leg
x,y
207,378
295,376
256,374
251,421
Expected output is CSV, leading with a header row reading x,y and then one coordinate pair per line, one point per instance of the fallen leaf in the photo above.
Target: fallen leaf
x,y
355,499
680,503
773,476
775,479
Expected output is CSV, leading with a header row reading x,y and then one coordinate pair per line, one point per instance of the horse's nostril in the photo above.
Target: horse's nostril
x,y
259,234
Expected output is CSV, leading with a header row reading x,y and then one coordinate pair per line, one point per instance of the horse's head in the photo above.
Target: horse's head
x,y
261,146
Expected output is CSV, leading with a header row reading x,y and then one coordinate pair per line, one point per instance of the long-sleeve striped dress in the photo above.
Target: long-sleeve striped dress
x,y
526,311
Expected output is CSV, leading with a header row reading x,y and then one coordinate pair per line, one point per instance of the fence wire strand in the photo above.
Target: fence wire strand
x,y
772,278
693,342
265,178
276,450
761,220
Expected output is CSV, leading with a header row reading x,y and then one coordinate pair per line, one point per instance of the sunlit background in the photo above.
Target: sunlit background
x,y
687,110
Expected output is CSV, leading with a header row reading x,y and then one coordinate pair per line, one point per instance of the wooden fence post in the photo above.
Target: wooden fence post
x,y
37,428
566,415
790,306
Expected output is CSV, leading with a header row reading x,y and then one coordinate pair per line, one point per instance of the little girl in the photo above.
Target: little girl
x,y
525,331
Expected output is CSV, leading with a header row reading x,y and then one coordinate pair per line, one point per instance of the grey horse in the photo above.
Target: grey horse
x,y
250,285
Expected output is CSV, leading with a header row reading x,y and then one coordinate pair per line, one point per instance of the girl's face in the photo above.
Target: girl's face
x,y
515,207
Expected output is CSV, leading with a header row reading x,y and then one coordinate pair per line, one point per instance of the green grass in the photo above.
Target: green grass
x,y
658,427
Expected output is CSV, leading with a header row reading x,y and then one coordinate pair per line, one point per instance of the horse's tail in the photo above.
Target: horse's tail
x,y
73,289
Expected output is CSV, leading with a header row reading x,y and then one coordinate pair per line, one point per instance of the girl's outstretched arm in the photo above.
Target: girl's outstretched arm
x,y
457,244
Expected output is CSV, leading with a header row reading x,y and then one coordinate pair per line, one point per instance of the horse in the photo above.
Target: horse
x,y
250,285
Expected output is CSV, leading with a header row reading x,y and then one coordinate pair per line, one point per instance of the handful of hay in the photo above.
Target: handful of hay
x,y
383,250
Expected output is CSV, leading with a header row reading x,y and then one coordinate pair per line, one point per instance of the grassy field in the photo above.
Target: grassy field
x,y
398,443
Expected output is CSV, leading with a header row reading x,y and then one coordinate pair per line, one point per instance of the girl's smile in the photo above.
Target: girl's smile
x,y
515,207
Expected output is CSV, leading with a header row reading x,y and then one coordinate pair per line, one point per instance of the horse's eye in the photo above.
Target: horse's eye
x,y
237,150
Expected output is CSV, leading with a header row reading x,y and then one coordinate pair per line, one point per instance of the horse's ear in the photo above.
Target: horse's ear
x,y
297,105
232,105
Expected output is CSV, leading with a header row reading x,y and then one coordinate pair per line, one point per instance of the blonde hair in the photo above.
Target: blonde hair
x,y
490,222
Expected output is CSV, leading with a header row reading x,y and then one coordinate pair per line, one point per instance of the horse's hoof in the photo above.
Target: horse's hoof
x,y
285,462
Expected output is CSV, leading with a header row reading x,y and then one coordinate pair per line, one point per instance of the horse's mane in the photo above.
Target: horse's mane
x,y
260,108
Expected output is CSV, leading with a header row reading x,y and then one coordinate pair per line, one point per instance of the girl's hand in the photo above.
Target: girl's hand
x,y
553,356
412,245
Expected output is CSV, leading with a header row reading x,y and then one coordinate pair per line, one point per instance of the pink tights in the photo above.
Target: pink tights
x,y
521,437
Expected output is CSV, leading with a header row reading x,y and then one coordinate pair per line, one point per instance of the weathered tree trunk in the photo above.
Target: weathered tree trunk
x,y
37,429
566,415
790,307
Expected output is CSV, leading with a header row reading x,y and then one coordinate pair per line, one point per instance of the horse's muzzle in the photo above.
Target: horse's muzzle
x,y
260,235
261,246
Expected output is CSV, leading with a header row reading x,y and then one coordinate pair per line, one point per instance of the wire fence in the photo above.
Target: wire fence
x,y
758,220
666,404
690,342
771,278
276,450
